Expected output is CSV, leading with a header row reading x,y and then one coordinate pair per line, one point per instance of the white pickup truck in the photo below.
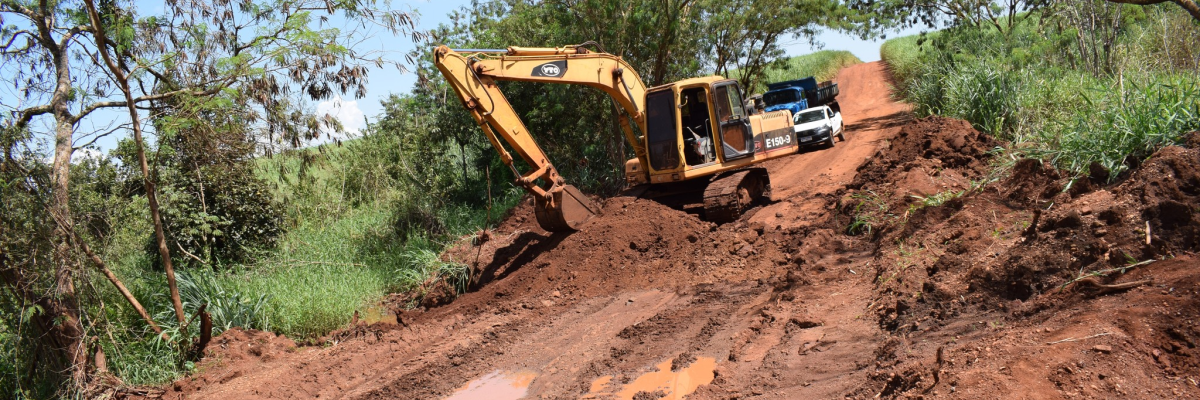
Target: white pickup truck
x,y
818,125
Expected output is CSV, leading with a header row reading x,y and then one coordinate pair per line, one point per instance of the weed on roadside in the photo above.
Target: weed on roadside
x,y
870,213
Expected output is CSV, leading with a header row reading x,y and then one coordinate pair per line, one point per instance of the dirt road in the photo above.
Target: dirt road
x,y
647,302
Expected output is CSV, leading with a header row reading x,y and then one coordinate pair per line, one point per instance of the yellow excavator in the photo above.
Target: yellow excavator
x,y
694,140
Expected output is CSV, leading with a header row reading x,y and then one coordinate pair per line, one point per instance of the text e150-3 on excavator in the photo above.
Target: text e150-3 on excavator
x,y
693,139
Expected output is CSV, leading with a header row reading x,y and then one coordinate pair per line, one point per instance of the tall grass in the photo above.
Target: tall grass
x,y
1132,124
1027,87
903,54
348,250
351,242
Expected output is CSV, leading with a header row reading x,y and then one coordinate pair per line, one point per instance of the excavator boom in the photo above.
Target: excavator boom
x,y
694,139
473,74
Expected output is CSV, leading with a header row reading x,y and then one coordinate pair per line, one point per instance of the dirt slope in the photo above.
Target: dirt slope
x,y
956,298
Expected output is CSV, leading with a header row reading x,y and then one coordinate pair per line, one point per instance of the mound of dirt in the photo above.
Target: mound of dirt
x,y
926,274
917,179
635,245
934,141
1165,191
1022,250
1031,182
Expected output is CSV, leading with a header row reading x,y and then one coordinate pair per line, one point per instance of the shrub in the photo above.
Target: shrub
x,y
227,307
1056,98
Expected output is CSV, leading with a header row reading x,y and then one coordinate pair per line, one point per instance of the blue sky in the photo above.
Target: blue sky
x,y
432,13
383,82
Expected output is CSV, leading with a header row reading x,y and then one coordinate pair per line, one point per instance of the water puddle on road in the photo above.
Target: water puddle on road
x,y
498,385
674,385
378,313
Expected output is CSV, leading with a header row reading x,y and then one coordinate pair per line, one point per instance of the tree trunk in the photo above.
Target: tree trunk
x,y
61,338
159,235
63,304
123,82
462,152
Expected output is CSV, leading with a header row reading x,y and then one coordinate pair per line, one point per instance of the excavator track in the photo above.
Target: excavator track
x,y
728,196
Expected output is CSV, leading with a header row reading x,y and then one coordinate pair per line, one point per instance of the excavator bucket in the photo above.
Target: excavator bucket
x,y
570,209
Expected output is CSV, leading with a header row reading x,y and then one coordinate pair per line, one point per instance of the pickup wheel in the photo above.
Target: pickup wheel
x,y
842,135
829,142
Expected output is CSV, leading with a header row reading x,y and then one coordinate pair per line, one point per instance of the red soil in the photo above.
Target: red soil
x,y
964,297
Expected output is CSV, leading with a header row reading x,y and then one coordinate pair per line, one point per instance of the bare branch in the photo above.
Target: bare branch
x,y
103,135
32,38
28,114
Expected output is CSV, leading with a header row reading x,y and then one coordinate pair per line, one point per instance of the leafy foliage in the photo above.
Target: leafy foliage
x,y
24,249
227,307
241,70
1109,92
822,65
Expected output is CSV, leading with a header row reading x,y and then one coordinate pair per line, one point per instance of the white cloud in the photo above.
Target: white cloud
x,y
347,113
79,155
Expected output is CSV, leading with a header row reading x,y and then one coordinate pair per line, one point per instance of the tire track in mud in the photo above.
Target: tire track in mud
x,y
970,297
778,299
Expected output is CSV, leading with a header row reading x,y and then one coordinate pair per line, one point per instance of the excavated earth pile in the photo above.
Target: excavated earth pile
x,y
1034,285
895,265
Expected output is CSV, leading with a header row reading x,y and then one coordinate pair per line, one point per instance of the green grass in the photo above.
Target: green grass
x,y
1030,88
343,251
324,271
823,65
341,256
870,213
903,55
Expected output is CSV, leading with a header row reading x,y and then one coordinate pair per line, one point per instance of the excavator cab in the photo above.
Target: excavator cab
x,y
737,138
701,122
697,127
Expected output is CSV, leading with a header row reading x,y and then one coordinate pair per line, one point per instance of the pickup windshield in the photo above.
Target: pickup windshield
x,y
781,97
809,116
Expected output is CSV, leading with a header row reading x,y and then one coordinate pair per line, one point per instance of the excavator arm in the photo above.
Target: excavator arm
x,y
473,74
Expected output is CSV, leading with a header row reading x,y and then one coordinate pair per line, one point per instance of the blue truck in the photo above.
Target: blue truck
x,y
801,94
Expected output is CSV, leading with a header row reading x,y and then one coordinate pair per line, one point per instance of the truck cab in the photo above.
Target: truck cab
x,y
789,98
801,94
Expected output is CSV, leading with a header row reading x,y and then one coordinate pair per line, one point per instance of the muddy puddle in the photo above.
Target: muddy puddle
x,y
378,314
667,384
498,385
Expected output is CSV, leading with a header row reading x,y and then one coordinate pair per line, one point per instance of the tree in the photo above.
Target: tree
x,y
1190,6
745,35
51,34
1002,15
72,58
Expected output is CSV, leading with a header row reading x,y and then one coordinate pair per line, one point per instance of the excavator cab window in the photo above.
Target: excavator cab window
x,y
661,137
736,139
697,128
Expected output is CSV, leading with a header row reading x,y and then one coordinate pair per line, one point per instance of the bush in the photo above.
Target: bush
x,y
1054,97
226,215
227,307
1132,125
